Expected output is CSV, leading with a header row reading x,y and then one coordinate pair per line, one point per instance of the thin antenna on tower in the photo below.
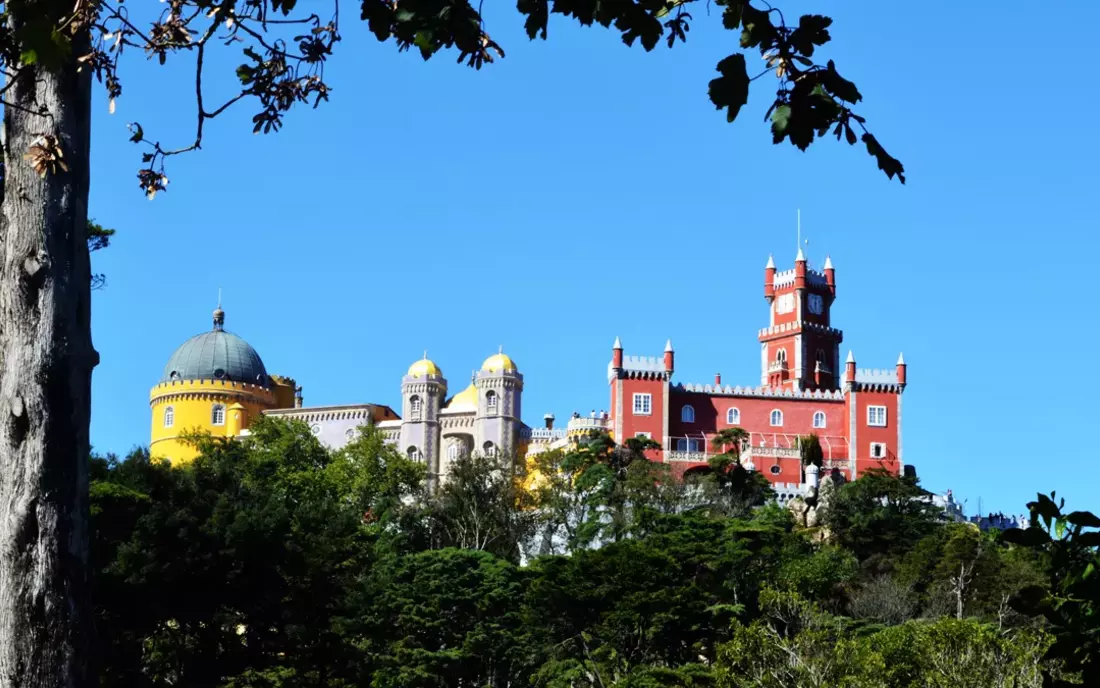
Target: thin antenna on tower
x,y
219,297
798,242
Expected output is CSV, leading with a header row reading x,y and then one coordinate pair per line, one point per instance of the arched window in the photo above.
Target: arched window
x,y
781,356
820,357
413,453
491,401
453,452
217,414
819,419
687,414
777,418
693,445
733,416
414,407
169,417
489,448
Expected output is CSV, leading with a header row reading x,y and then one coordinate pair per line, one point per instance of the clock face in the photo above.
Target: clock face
x,y
817,304
785,303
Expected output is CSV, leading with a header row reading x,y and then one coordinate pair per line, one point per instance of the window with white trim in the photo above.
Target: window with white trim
x,y
876,416
781,356
687,414
878,450
687,445
777,418
414,407
413,453
643,404
819,419
489,449
646,435
169,417
733,416
217,414
316,429
491,401
453,451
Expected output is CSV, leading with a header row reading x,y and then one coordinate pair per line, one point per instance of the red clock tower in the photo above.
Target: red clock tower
x,y
799,349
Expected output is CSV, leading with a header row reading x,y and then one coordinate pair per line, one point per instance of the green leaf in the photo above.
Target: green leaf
x,y
1085,519
839,86
781,119
731,90
891,166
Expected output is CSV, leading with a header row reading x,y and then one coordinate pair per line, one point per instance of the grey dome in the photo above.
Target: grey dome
x,y
216,355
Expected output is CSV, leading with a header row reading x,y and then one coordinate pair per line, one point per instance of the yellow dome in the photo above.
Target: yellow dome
x,y
499,362
466,400
424,367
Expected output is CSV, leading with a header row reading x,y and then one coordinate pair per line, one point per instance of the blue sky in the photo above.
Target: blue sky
x,y
579,190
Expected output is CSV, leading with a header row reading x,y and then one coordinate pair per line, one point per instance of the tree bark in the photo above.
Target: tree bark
x,y
46,361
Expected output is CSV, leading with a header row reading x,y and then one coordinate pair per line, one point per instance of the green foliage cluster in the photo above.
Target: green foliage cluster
x,y
274,562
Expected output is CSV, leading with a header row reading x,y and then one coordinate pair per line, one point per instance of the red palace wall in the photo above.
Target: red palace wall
x,y
846,434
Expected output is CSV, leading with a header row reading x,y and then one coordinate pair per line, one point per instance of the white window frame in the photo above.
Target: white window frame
x,y
871,412
733,416
643,404
687,414
415,406
647,435
169,416
453,452
491,401
217,419
878,445
821,415
771,418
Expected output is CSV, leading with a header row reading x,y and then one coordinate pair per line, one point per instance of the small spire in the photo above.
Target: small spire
x,y
219,317
901,359
851,357
500,349
771,263
828,263
668,346
617,345
801,257
425,355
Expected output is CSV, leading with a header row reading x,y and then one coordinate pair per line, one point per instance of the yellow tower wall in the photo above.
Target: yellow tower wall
x,y
192,403
284,391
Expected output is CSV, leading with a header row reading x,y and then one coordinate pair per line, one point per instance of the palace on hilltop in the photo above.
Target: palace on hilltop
x,y
216,382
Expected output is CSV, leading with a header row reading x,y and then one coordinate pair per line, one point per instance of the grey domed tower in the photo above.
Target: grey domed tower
x,y
499,389
422,392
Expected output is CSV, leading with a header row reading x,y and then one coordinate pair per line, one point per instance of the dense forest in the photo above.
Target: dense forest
x,y
273,561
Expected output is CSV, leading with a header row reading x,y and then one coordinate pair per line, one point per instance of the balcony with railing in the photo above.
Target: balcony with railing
x,y
586,424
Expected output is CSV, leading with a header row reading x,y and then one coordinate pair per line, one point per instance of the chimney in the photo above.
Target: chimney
x,y
549,419
298,397
718,379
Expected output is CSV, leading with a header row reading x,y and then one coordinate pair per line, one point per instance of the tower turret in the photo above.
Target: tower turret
x,y
850,369
669,357
830,275
499,395
423,390
769,280
901,370
800,270
617,354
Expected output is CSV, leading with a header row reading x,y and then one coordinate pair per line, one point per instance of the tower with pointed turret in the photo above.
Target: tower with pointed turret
x,y
800,349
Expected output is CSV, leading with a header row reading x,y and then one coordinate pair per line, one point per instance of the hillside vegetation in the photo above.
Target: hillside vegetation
x,y
273,562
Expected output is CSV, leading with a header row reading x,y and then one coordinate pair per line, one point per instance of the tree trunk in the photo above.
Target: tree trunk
x,y
46,361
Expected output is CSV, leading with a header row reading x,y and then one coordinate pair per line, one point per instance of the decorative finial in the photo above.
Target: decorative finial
x,y
425,354
851,357
668,346
828,263
617,345
771,263
219,314
500,349
901,359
